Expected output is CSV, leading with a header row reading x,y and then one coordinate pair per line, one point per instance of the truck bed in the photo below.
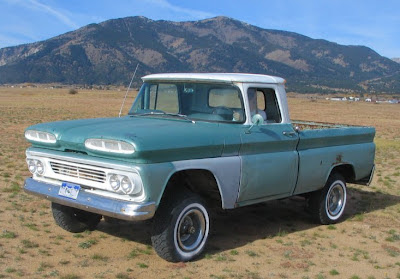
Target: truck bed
x,y
308,125
325,146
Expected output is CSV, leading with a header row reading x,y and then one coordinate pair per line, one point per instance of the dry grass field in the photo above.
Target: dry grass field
x,y
271,240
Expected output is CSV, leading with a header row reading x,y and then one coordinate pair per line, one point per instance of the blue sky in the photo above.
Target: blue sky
x,y
372,23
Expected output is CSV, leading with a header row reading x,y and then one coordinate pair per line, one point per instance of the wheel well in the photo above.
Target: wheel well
x,y
201,182
347,171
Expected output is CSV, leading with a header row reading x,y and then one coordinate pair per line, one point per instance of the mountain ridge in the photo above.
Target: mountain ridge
x,y
107,53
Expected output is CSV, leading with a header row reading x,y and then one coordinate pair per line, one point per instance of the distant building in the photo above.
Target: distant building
x,y
368,100
338,99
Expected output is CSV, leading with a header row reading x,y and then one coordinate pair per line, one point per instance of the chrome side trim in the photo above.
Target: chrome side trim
x,y
120,209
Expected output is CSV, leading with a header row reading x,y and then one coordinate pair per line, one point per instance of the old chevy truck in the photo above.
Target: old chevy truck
x,y
189,143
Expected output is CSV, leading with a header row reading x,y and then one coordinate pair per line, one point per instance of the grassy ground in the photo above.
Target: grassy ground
x,y
272,240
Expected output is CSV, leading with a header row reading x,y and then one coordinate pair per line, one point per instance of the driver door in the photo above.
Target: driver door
x,y
269,159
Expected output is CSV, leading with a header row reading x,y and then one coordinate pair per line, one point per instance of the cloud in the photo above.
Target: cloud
x,y
187,13
62,17
38,6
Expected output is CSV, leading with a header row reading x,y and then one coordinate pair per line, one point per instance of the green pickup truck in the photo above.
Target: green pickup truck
x,y
192,142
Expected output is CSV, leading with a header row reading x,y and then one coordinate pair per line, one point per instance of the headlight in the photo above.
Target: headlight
x,y
32,166
36,166
40,136
126,185
106,145
114,182
39,167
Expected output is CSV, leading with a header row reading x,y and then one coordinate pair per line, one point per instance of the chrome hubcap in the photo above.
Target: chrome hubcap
x,y
191,230
335,199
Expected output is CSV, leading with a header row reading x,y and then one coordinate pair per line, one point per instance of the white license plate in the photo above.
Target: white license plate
x,y
69,190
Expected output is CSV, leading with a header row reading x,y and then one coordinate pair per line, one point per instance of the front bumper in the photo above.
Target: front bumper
x,y
120,209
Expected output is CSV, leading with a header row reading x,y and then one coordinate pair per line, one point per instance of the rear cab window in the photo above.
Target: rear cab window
x,y
264,101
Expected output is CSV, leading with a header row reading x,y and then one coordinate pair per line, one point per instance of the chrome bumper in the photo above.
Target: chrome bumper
x,y
120,209
367,180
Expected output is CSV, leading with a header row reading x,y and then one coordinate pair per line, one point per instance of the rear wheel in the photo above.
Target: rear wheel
x,y
74,220
328,204
181,228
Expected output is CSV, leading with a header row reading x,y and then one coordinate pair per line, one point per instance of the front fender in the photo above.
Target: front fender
x,y
226,171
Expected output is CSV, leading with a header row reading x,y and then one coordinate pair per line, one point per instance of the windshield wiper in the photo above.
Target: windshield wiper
x,y
178,115
162,113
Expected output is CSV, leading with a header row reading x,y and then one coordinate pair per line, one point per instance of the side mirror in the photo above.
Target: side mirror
x,y
257,120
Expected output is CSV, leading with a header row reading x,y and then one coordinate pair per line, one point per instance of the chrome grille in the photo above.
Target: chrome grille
x,y
78,172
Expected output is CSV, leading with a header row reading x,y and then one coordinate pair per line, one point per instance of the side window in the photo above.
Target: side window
x,y
221,97
260,100
266,102
164,97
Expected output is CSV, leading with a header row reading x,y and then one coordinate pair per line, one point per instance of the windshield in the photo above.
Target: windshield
x,y
195,101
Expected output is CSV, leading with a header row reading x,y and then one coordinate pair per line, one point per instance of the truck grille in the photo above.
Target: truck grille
x,y
78,172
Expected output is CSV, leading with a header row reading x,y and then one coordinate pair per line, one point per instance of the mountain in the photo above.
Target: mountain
x,y
396,60
108,52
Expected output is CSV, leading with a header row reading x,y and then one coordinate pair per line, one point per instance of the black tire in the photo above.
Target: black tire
x,y
111,220
328,204
74,220
180,228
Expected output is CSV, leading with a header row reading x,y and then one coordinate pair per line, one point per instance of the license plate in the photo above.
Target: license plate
x,y
69,190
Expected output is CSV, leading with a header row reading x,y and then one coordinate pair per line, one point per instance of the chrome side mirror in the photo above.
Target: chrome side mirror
x,y
257,120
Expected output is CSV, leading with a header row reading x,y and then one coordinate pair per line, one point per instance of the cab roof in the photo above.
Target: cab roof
x,y
215,77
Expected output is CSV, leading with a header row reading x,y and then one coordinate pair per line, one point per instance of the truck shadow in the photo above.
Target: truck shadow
x,y
232,229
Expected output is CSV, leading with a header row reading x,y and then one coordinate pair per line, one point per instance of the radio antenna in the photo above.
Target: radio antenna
x,y
126,94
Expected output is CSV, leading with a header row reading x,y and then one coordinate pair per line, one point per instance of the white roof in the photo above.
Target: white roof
x,y
220,77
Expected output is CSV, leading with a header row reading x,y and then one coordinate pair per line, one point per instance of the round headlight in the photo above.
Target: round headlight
x,y
32,166
39,167
114,182
126,185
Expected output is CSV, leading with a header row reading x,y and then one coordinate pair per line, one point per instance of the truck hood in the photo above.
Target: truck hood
x,y
154,139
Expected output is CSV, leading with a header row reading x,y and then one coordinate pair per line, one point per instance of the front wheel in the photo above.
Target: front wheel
x,y
327,205
73,219
181,228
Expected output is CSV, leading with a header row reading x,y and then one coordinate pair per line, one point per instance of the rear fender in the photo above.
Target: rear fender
x,y
345,169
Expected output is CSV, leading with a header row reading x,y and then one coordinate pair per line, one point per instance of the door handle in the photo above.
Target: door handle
x,y
289,134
